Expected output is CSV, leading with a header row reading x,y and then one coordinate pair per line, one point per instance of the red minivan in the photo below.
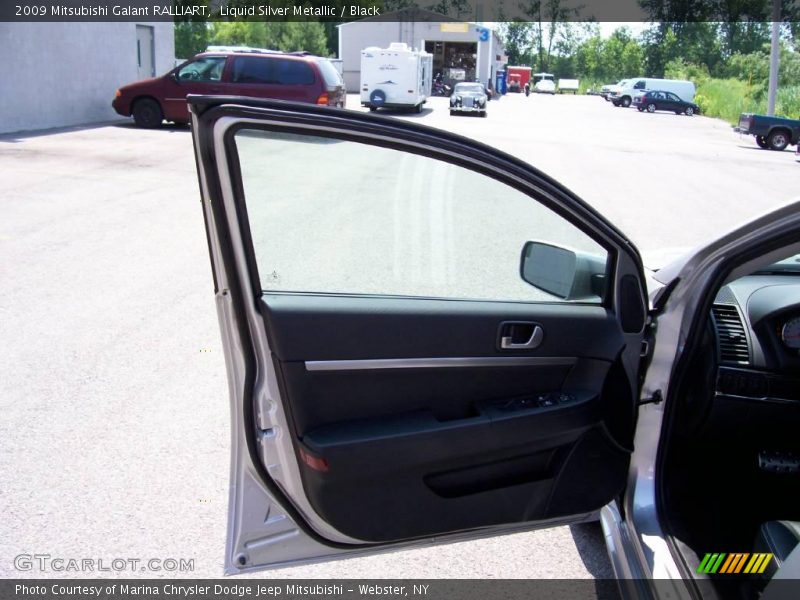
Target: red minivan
x,y
259,74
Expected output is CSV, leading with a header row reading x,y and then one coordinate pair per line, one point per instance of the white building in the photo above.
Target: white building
x,y
62,74
461,51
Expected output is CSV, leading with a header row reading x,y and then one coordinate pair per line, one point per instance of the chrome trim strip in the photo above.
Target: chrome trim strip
x,y
440,363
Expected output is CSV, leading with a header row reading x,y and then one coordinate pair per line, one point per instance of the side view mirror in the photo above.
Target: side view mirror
x,y
568,274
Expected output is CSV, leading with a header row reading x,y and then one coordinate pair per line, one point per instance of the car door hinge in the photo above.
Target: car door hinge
x,y
656,398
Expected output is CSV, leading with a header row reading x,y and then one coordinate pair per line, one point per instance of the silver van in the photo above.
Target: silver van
x,y
624,95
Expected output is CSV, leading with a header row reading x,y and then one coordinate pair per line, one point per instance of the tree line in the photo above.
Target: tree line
x,y
578,50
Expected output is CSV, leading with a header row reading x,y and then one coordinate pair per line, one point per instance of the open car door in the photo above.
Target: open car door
x,y
426,339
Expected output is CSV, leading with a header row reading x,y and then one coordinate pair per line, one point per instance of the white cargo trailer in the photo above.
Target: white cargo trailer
x,y
395,77
568,85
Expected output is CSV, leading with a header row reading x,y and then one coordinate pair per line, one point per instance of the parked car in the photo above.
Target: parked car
x,y
469,98
666,101
773,133
256,73
544,83
625,94
666,402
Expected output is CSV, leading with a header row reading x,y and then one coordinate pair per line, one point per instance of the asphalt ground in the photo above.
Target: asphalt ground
x,y
115,425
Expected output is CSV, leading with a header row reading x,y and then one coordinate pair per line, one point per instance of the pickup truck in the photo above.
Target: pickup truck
x,y
774,133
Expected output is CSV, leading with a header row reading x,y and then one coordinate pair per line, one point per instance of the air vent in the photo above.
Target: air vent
x,y
733,347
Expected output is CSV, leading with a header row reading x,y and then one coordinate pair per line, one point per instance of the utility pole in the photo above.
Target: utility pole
x,y
773,57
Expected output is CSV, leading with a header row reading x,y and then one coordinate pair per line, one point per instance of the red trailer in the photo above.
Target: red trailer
x,y
517,77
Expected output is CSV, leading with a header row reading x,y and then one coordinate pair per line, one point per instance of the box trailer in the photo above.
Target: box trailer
x,y
517,77
568,85
395,77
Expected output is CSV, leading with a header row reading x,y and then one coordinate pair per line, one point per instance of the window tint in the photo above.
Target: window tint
x,y
639,85
380,221
249,69
252,69
204,69
672,96
329,73
293,72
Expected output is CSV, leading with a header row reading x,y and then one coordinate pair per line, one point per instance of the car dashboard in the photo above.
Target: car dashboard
x,y
756,320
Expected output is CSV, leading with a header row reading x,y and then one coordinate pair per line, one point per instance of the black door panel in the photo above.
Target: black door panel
x,y
467,477
411,402
317,327
449,394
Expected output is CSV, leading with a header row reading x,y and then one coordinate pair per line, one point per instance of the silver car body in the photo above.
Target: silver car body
x,y
263,533
468,98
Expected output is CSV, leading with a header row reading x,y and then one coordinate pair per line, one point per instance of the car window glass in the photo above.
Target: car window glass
x,y
672,96
293,72
639,85
203,69
380,221
250,69
329,73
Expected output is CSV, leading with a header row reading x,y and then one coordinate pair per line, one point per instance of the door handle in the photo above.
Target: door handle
x,y
510,331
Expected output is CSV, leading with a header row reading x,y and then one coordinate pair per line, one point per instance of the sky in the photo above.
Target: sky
x,y
607,27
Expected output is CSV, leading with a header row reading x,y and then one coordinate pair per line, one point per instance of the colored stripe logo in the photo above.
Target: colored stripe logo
x,y
736,562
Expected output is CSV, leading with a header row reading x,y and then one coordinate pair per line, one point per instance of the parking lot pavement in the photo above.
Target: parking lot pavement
x,y
112,382
668,181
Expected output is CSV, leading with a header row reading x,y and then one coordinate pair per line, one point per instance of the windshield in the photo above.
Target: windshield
x,y
787,265
469,88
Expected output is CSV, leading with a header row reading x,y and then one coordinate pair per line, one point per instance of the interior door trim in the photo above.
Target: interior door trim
x,y
439,363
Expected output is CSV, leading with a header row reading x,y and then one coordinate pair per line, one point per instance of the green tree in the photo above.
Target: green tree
x,y
660,46
517,39
589,62
308,36
190,38
549,18
452,8
289,36
622,55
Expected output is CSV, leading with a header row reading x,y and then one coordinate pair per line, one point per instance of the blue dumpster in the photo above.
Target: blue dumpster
x,y
500,83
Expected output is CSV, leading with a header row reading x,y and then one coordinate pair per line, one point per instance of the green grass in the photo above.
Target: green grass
x,y
728,98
